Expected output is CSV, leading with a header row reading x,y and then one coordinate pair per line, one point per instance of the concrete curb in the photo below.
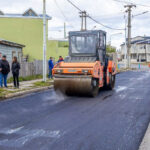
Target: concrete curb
x,y
145,145
22,93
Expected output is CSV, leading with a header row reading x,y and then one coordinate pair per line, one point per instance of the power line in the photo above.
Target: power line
x,y
74,5
103,24
126,2
60,9
92,17
63,13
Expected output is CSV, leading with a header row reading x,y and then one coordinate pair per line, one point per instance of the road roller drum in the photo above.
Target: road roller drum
x,y
76,85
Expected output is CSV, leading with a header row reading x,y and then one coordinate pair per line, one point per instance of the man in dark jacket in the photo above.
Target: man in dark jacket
x,y
15,71
60,59
51,66
5,69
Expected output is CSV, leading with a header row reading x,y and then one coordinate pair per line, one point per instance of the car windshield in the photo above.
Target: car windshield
x,y
83,44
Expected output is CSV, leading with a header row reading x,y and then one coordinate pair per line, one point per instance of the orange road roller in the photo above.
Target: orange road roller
x,y
87,68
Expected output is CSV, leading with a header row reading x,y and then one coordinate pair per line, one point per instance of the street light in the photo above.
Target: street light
x,y
44,41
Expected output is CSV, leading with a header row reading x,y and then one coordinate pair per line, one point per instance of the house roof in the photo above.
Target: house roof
x,y
29,13
11,44
145,40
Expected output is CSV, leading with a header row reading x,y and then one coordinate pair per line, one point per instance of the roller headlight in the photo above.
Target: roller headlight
x,y
59,71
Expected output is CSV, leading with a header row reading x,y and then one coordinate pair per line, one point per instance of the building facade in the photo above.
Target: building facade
x,y
11,49
25,28
140,49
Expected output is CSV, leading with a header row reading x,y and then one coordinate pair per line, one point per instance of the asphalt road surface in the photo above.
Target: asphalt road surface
x,y
114,120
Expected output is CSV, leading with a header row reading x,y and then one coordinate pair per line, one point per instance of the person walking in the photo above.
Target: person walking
x,y
15,71
51,66
5,69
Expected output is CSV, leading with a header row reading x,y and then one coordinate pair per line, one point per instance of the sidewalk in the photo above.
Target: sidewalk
x,y
145,145
25,88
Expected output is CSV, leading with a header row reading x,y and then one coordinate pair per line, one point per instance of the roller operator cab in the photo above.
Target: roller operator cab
x,y
87,68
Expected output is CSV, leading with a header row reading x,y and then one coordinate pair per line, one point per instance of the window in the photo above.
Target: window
x,y
13,54
102,40
83,44
143,47
19,56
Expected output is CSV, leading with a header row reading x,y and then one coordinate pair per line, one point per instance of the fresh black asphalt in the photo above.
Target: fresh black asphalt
x,y
114,120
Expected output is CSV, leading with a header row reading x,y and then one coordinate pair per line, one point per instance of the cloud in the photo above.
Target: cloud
x,y
108,12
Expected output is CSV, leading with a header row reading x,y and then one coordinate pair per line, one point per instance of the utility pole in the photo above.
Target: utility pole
x,y
145,53
83,20
44,41
129,9
64,30
125,49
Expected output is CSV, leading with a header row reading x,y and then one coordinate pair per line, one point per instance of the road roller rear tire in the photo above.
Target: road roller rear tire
x,y
111,84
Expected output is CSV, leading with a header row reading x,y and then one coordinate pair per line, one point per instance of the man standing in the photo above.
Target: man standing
x,y
0,70
60,59
5,69
51,66
15,71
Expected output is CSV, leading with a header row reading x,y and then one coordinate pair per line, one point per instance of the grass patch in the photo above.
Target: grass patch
x,y
10,90
41,84
2,94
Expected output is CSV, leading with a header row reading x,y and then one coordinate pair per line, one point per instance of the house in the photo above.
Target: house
x,y
25,28
11,49
140,49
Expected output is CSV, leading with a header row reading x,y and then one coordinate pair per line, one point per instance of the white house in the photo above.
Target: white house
x,y
140,49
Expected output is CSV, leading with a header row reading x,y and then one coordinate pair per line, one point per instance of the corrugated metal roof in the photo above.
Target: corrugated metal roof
x,y
12,44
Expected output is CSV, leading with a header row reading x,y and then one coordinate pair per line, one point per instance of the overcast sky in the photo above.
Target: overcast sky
x,y
108,12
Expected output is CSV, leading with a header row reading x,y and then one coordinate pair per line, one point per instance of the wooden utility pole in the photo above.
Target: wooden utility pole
x,y
129,9
83,20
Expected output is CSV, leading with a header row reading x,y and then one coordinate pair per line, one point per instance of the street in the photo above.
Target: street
x,y
114,120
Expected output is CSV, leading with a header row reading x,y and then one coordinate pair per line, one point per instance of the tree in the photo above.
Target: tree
x,y
110,49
